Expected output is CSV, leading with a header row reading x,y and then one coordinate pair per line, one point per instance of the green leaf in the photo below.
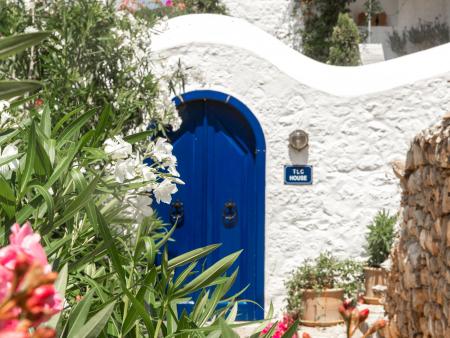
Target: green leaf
x,y
29,162
191,256
96,324
120,273
166,237
292,330
83,198
79,314
208,276
74,127
5,136
13,88
65,118
48,201
233,313
133,314
227,331
269,334
142,136
63,165
266,322
46,122
60,286
217,295
103,122
7,198
7,159
14,44
42,164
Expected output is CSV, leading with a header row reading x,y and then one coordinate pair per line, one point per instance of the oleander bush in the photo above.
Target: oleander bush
x,y
96,55
71,163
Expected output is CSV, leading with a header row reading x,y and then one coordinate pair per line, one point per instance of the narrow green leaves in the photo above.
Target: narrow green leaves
x,y
226,330
95,325
29,162
14,44
13,88
7,198
60,286
192,256
292,330
208,276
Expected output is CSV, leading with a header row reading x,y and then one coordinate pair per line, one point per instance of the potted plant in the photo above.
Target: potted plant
x,y
379,243
317,288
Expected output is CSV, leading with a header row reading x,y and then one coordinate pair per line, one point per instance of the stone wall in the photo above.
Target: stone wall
x,y
418,297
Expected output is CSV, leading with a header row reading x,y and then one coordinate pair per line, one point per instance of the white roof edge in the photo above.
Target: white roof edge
x,y
340,81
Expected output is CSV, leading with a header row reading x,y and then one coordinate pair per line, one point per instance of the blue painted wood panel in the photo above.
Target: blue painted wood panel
x,y
220,160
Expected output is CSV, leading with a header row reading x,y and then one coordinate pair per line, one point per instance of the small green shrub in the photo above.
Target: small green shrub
x,y
380,238
323,272
344,50
319,19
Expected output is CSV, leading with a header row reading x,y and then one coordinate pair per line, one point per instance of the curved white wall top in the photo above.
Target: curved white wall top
x,y
340,81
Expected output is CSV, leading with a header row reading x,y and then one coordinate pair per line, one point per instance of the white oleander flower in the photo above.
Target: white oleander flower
x,y
163,191
162,150
9,150
142,206
29,5
117,148
5,117
147,173
3,105
125,170
31,29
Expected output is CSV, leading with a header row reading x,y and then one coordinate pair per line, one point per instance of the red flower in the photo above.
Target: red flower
x,y
363,314
38,102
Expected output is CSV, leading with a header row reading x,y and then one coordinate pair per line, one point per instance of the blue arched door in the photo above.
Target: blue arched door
x,y
221,157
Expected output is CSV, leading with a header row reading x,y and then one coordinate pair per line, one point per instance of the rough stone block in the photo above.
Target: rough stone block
x,y
446,196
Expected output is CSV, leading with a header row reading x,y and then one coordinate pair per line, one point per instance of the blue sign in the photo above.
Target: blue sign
x,y
298,174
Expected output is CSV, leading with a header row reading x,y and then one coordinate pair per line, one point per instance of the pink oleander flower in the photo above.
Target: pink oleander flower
x,y
24,245
282,327
43,303
169,3
27,294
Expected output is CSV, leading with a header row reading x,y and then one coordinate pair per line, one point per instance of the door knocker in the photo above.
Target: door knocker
x,y
230,214
177,213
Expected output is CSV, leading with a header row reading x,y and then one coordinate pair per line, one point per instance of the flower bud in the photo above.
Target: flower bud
x,y
363,314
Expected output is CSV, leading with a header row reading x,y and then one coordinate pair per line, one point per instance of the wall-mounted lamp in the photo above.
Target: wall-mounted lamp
x,y
298,139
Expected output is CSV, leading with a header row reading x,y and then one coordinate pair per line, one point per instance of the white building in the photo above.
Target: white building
x,y
246,92
277,18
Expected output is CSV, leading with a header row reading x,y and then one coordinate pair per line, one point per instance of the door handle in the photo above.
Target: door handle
x,y
230,214
177,213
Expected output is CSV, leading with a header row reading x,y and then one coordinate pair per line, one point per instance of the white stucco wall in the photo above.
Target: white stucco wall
x,y
359,120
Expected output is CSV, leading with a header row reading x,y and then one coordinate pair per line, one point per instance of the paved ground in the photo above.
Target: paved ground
x,y
376,312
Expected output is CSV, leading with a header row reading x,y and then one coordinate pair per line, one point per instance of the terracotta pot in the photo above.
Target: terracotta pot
x,y
321,307
373,276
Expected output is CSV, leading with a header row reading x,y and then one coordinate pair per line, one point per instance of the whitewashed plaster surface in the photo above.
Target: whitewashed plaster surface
x,y
359,120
